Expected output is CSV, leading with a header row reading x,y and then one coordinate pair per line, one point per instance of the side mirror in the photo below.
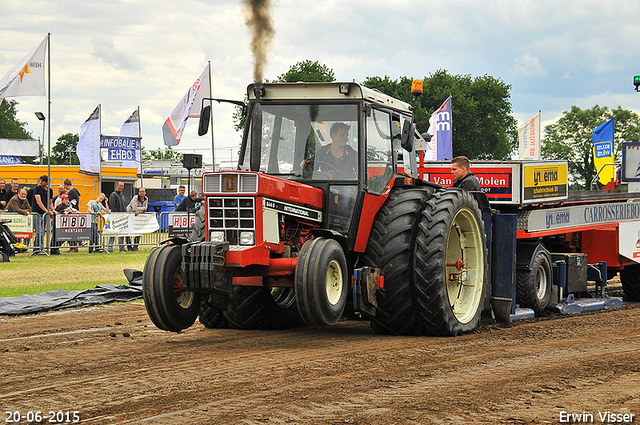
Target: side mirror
x,y
203,124
256,137
406,139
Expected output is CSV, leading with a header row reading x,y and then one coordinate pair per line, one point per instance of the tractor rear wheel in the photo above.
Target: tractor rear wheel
x,y
391,249
533,287
451,264
252,307
321,283
198,229
211,316
630,278
170,307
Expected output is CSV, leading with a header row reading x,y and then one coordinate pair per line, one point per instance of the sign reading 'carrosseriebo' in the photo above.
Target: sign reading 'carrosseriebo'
x,y
582,215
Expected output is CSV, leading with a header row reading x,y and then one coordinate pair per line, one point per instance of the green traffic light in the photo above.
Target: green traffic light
x,y
636,81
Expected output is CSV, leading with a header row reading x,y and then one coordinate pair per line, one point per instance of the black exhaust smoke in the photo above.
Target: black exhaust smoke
x,y
258,20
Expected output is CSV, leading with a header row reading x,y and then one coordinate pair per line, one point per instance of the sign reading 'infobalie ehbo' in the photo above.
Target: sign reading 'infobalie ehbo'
x,y
120,148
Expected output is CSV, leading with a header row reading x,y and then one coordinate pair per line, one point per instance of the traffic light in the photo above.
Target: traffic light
x,y
636,82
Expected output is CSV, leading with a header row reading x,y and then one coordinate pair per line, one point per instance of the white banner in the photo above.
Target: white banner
x,y
128,224
19,147
173,127
88,148
529,138
26,78
131,128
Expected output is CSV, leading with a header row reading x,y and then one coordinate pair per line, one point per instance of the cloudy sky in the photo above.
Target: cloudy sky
x,y
129,53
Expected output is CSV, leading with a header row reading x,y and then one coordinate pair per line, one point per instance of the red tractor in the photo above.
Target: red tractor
x,y
325,217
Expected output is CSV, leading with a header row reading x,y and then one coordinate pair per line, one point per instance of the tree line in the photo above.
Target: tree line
x,y
483,126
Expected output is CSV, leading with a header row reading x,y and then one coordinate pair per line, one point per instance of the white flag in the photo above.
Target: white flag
x,y
529,138
131,128
27,77
173,127
88,148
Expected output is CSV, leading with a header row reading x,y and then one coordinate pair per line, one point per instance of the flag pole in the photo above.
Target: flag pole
x,y
213,146
48,142
140,150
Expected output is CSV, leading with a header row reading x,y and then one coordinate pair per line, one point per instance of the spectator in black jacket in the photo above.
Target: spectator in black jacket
x,y
189,202
117,204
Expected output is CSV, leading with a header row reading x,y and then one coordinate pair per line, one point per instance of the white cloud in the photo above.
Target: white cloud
x,y
528,66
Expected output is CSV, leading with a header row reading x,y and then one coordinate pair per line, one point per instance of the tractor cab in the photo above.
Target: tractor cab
x,y
343,138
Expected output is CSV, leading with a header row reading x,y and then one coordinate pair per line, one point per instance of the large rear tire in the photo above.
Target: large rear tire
x,y
170,307
321,282
211,316
451,264
533,287
630,278
252,307
391,249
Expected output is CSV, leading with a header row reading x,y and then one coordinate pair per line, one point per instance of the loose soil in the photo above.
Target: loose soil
x,y
113,366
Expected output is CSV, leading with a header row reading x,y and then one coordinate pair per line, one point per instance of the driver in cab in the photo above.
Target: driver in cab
x,y
337,160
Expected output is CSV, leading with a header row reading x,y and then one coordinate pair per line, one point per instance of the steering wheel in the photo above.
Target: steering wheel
x,y
329,173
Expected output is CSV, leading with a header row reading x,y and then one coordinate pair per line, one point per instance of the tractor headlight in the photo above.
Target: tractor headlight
x,y
247,238
216,237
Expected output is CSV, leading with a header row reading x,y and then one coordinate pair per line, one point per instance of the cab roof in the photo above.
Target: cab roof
x,y
326,91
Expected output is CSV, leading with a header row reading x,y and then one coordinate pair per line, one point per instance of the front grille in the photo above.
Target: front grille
x,y
232,216
246,183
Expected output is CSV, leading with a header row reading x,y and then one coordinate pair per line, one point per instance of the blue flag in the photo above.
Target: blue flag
x,y
604,151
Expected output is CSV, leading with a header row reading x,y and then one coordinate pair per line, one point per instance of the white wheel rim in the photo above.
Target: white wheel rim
x,y
334,283
541,283
464,287
184,298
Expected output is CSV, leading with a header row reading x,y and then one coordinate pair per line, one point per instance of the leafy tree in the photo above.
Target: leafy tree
x,y
168,154
308,72
482,124
570,139
64,151
305,71
10,126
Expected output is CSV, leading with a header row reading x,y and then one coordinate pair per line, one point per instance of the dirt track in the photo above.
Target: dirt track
x,y
113,366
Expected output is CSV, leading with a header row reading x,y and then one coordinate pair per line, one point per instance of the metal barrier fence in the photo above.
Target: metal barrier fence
x,y
39,234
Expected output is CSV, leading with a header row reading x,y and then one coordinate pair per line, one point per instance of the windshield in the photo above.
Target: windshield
x,y
308,142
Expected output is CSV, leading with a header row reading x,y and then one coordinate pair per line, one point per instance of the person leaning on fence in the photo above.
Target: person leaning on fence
x,y
118,204
96,208
64,207
38,207
189,203
19,203
139,204
74,201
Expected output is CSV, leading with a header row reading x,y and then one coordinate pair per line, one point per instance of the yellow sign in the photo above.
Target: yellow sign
x,y
545,181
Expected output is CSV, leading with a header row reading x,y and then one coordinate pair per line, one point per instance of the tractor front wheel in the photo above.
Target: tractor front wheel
x,y
630,279
321,283
169,306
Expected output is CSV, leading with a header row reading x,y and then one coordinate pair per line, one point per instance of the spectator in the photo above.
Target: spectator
x,y
118,204
13,190
463,177
64,207
19,203
40,194
179,197
139,204
74,201
56,199
96,208
3,195
190,202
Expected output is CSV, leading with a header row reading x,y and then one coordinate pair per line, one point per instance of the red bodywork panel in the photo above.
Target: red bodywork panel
x,y
288,191
370,207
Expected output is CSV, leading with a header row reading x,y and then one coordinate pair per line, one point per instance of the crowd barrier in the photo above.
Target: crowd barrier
x,y
110,232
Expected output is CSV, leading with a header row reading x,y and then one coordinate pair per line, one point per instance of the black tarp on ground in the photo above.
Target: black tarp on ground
x,y
59,298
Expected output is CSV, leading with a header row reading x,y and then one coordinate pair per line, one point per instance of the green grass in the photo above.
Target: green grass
x,y
26,274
